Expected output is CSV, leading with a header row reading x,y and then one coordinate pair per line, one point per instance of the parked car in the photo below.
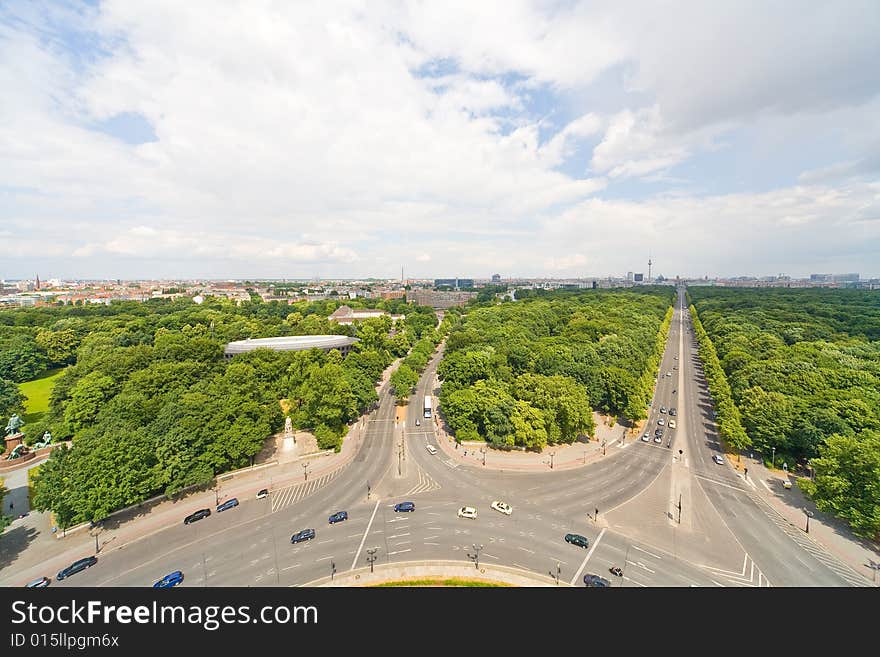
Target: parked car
x,y
646,438
303,535
502,507
662,409
40,583
404,506
661,421
658,432
672,424
577,539
169,581
228,504
786,484
431,449
467,512
339,516
594,581
658,439
76,567
672,411
418,422
718,459
263,493
198,515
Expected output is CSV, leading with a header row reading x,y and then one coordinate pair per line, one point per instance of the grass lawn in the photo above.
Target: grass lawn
x,y
37,393
447,581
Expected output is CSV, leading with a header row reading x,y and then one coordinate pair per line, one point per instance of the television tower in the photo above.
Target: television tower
x,y
649,268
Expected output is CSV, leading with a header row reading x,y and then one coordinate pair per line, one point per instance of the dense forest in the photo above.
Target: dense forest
x,y
529,372
802,369
152,406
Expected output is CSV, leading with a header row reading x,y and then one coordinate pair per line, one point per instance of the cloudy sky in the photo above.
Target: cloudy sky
x,y
341,139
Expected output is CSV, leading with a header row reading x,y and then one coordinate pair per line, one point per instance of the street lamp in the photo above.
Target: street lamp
x,y
305,467
558,572
371,558
476,555
368,489
773,461
483,452
603,448
332,569
809,515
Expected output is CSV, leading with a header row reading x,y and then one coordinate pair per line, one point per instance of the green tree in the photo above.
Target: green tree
x,y
86,399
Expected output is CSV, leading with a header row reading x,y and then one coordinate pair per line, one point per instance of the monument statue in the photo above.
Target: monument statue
x,y
15,423
288,428
47,439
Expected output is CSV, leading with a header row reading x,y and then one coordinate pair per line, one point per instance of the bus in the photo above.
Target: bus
x,y
427,407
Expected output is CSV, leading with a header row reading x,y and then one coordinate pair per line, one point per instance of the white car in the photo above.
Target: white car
x,y
661,422
418,422
467,512
502,507
669,374
672,424
658,440
718,459
431,449
646,438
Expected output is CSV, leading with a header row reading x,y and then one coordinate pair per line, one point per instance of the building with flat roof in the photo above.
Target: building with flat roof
x,y
342,343
456,283
439,299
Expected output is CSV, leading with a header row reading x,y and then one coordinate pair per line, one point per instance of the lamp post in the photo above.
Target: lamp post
x,y
476,555
332,569
603,448
483,452
371,558
809,515
552,454
368,489
773,460
558,572
305,467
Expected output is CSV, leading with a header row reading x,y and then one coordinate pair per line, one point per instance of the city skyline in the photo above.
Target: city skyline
x,y
560,139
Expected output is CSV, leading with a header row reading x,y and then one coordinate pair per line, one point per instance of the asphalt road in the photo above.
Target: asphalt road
x,y
250,544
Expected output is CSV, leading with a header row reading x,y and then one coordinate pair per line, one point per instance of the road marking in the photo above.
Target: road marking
x,y
367,531
527,550
400,551
716,583
636,547
633,581
766,486
432,543
640,565
428,538
296,565
329,540
491,556
398,535
587,558
353,535
323,558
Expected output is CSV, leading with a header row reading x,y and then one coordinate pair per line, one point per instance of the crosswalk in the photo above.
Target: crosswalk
x,y
750,575
799,537
284,497
426,483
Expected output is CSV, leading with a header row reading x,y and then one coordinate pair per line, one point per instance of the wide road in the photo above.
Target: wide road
x,y
250,544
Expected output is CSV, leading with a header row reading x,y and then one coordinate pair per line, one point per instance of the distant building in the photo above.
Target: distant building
x,y
629,276
346,315
455,283
820,278
342,343
845,278
496,278
439,299
393,294
638,278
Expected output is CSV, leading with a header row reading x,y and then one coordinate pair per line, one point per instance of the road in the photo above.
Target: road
x,y
725,535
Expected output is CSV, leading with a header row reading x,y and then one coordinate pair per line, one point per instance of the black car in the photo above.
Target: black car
x,y
198,515
404,506
339,516
77,566
672,411
577,539
304,535
658,432
594,581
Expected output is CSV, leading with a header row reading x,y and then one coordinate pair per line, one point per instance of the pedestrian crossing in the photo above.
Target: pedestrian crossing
x,y
426,483
799,537
284,497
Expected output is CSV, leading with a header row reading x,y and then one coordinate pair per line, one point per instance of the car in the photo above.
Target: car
x,y
658,439
418,422
76,567
303,535
228,504
675,367
661,421
198,515
669,374
467,512
263,493
672,411
672,424
658,432
594,581
169,581
339,516
404,506
662,409
675,358
40,583
577,539
718,459
646,438
431,449
786,484
502,507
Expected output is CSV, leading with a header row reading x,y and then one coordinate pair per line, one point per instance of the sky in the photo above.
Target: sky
x,y
262,139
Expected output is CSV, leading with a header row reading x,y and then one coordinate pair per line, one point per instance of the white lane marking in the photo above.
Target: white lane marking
x,y
324,558
398,535
765,485
329,540
640,565
289,567
400,551
401,543
364,538
716,583
636,547
491,556
432,543
587,558
527,550
634,581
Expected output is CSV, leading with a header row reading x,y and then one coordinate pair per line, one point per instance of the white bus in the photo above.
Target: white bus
x,y
427,407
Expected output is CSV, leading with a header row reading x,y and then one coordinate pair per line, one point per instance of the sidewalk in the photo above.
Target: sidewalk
x,y
828,532
564,457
